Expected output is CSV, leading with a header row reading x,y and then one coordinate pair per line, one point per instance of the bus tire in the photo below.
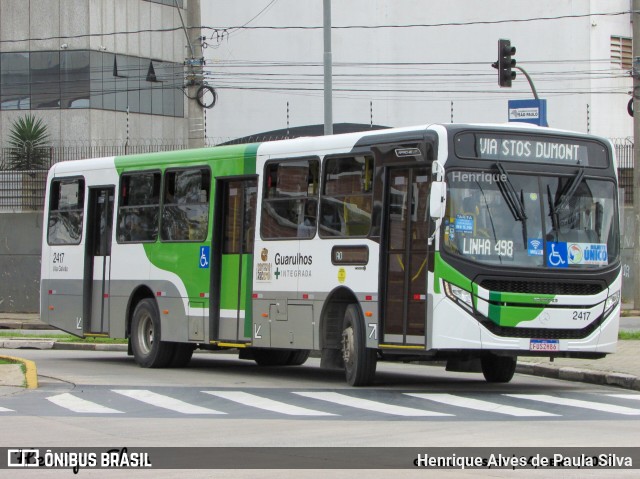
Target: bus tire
x,y
271,357
182,355
359,361
498,369
149,351
298,357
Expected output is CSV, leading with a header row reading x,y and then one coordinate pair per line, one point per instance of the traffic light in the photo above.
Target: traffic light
x,y
506,63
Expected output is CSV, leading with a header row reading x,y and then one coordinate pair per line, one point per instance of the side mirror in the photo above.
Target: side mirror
x,y
438,199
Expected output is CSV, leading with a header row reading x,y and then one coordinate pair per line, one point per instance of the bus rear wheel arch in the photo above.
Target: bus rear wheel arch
x,y
149,351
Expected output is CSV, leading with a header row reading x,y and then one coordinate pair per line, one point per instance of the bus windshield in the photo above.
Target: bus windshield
x,y
522,220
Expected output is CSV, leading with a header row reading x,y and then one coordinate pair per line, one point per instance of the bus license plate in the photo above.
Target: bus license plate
x,y
544,345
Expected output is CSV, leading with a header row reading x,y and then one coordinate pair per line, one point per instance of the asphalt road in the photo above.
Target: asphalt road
x,y
103,399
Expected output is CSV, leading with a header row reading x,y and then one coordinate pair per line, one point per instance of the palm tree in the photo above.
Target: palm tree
x,y
27,141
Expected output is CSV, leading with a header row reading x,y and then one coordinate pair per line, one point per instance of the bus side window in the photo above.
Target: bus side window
x,y
185,206
139,207
66,211
289,206
347,201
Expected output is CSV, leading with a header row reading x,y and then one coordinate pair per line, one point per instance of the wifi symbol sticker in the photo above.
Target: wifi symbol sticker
x,y
534,247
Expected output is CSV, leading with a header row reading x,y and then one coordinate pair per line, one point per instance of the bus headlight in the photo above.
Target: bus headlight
x,y
459,295
611,303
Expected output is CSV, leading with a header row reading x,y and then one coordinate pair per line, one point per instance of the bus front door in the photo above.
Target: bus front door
x,y
98,260
232,271
405,255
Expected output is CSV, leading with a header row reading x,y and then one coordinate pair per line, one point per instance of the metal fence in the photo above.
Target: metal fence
x,y
24,190
624,153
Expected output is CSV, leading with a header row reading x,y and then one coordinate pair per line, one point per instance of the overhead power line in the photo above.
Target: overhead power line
x,y
216,30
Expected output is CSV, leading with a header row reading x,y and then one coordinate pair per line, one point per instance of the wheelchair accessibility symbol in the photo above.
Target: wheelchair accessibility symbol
x,y
204,256
557,256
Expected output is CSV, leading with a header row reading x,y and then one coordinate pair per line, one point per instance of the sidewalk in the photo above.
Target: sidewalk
x,y
620,369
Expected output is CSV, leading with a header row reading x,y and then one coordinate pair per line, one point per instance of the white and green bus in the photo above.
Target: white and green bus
x,y
470,244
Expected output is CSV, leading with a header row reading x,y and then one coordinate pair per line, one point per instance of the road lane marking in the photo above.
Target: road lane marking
x,y
259,402
635,397
165,402
596,406
4,409
369,405
480,405
76,404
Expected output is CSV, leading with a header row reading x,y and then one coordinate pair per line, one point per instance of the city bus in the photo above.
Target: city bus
x,y
458,243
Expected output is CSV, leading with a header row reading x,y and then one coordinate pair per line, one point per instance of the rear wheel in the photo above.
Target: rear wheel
x,y
298,357
271,357
149,351
498,369
359,361
182,355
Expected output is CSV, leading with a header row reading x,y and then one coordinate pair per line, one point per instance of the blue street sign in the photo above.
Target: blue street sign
x,y
528,111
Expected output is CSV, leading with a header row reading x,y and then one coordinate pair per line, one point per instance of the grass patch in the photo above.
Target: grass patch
x,y
7,361
629,335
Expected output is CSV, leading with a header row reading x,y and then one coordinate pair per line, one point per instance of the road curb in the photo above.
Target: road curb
x,y
31,372
567,373
89,346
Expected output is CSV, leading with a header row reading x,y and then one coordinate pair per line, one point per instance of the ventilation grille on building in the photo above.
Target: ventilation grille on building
x,y
621,52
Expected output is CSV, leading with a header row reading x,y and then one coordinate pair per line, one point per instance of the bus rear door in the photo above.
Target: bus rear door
x,y
232,263
98,260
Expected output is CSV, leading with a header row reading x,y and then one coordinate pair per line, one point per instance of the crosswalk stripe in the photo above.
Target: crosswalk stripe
x,y
480,405
266,404
578,403
76,404
635,397
166,402
369,405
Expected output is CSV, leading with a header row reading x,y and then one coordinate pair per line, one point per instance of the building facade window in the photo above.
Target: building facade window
x,y
89,79
15,93
621,52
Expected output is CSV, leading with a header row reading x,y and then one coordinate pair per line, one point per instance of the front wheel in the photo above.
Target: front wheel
x,y
149,351
498,369
359,361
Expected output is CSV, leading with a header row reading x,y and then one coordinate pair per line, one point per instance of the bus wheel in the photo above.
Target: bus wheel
x,y
182,355
149,350
298,357
271,357
359,361
498,369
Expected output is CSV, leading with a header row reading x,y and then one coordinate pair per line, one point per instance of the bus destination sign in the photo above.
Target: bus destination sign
x,y
530,150
533,149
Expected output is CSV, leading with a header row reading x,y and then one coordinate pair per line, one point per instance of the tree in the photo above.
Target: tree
x,y
28,144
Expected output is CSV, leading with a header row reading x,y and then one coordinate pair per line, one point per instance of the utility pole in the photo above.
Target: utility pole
x,y
195,113
328,86
636,153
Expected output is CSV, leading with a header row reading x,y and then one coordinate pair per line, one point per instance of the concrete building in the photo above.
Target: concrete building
x,y
416,62
99,71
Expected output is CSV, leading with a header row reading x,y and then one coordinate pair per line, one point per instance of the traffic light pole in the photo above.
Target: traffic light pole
x,y
533,88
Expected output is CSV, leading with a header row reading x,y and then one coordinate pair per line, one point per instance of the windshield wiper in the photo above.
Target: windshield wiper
x,y
568,191
552,212
514,202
